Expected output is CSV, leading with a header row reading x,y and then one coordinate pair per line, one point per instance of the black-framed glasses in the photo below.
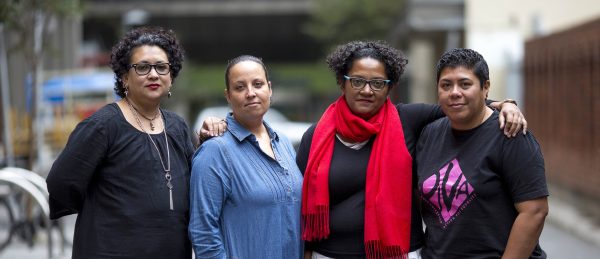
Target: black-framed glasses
x,y
375,84
144,68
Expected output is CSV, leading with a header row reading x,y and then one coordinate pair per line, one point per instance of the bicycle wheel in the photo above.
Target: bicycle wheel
x,y
6,222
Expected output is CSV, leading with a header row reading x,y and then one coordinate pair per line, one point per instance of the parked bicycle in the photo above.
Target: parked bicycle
x,y
24,210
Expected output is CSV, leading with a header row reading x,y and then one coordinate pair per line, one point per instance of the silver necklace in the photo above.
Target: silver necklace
x,y
151,120
167,169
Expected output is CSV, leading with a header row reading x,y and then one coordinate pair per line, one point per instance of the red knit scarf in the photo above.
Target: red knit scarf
x,y
388,186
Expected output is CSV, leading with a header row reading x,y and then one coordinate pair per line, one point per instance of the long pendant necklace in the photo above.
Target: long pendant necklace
x,y
167,169
149,119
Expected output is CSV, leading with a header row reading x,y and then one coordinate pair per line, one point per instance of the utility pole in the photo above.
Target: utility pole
x,y
4,91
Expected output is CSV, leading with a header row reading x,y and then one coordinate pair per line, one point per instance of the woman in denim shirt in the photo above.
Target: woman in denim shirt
x,y
245,186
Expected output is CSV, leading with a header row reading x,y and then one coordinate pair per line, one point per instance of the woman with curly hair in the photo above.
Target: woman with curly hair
x,y
357,160
357,191
125,169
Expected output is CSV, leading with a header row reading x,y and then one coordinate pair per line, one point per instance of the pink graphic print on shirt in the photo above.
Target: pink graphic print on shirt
x,y
447,191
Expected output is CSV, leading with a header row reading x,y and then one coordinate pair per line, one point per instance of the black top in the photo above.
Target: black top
x,y
469,182
110,174
347,179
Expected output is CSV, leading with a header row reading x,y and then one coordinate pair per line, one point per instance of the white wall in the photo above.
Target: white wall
x,y
498,30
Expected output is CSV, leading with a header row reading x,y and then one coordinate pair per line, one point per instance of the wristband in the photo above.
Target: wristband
x,y
508,101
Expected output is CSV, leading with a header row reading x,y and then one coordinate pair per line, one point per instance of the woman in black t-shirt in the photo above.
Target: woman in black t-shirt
x,y
367,176
357,160
483,195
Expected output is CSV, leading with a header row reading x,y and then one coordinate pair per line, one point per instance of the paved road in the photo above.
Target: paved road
x,y
560,244
556,242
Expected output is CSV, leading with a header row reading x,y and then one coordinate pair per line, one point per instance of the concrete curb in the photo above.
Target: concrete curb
x,y
567,217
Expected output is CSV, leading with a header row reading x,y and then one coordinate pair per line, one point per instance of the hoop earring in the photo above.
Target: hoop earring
x,y
169,95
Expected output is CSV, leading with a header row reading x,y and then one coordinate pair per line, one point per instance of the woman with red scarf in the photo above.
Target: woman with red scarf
x,y
357,197
357,160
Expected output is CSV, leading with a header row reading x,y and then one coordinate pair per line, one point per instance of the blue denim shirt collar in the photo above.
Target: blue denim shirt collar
x,y
241,133
234,181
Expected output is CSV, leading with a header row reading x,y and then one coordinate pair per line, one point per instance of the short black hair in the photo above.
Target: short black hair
x,y
467,58
341,59
144,36
243,58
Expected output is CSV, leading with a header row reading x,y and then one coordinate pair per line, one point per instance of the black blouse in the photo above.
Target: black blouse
x,y
347,179
110,174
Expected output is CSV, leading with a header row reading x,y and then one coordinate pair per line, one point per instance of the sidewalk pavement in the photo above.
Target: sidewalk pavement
x,y
563,215
18,249
569,218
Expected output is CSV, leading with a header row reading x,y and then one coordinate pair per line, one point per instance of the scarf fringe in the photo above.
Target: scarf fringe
x,y
315,226
375,250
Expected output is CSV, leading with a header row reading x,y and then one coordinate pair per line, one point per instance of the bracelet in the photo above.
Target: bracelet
x,y
508,101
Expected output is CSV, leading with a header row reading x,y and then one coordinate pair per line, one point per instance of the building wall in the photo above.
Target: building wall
x,y
554,76
211,31
432,27
529,18
562,74
498,30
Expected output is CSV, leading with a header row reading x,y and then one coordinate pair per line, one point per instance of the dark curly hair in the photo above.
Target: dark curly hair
x,y
120,57
243,58
341,59
467,58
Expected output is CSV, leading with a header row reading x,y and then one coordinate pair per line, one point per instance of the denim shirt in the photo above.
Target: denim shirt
x,y
245,204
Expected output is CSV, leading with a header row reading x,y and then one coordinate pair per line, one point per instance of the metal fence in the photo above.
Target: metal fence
x,y
562,94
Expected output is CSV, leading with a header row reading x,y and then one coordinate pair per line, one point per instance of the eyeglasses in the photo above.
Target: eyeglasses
x,y
144,68
375,84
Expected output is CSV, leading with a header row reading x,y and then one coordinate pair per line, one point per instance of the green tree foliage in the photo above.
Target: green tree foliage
x,y
17,14
337,21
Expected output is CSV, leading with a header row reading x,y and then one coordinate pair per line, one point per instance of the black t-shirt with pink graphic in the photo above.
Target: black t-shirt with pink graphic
x,y
469,182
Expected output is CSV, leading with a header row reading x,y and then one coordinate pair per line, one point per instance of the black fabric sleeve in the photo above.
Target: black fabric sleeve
x,y
74,168
414,118
304,148
417,115
523,169
488,103
188,140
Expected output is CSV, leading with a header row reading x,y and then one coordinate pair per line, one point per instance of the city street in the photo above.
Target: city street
x,y
89,88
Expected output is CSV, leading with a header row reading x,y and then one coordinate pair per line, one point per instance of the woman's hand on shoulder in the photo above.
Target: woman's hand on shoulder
x,y
512,120
212,127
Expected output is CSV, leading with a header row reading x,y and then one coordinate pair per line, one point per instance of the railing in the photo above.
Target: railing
x,y
19,186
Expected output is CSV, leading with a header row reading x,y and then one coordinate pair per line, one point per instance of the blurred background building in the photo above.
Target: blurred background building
x,y
43,42
546,55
